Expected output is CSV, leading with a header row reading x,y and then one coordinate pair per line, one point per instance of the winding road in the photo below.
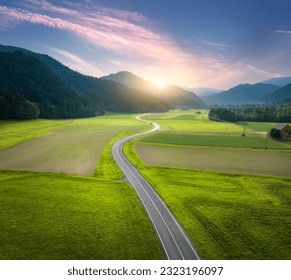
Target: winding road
x,y
174,240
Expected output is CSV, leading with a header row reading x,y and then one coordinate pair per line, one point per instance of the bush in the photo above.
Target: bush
x,y
275,133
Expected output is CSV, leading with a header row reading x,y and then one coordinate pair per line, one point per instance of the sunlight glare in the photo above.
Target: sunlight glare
x,y
160,83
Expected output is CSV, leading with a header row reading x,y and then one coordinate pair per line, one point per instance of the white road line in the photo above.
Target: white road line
x,y
152,223
153,204
125,164
182,231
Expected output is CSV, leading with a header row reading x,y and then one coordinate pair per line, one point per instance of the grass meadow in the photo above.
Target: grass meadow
x,y
215,140
227,214
57,216
15,132
46,215
74,148
72,203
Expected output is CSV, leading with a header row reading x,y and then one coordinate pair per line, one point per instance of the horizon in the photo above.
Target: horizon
x,y
212,45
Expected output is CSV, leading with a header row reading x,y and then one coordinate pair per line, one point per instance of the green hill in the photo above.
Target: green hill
x,y
61,92
28,84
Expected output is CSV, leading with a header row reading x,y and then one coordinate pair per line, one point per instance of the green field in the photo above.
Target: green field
x,y
215,140
217,159
55,216
15,132
60,216
228,215
98,216
74,148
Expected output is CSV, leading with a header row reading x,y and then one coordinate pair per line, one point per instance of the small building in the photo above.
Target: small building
x,y
283,127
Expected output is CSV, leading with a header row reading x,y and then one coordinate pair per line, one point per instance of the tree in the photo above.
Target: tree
x,y
275,133
4,108
26,110
222,114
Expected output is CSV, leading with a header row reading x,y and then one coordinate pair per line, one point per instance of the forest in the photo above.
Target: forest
x,y
256,113
30,88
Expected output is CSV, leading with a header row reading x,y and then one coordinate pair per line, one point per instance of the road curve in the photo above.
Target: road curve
x,y
174,240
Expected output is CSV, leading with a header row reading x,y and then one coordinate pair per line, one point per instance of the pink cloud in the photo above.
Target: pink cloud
x,y
102,30
131,40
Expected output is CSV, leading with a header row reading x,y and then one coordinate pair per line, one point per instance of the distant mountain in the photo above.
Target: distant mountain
x,y
74,89
280,95
203,92
178,97
281,81
174,96
131,80
241,94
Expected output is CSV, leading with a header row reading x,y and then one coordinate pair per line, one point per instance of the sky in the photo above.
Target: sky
x,y
190,43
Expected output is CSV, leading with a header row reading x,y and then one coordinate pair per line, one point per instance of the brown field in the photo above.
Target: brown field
x,y
74,148
216,159
66,151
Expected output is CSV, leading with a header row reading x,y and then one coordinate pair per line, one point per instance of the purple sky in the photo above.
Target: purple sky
x,y
193,43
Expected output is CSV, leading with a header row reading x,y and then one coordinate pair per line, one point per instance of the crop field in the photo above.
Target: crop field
x,y
57,216
15,132
228,215
230,160
215,140
74,148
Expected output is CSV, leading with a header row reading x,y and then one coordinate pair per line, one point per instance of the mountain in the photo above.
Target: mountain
x,y
280,95
241,94
95,95
112,95
174,96
131,80
27,84
203,92
178,97
281,81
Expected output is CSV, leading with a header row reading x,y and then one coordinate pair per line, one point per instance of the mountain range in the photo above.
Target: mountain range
x,y
275,90
36,85
203,92
281,81
173,95
29,79
241,94
260,93
280,95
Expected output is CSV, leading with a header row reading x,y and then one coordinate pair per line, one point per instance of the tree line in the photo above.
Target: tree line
x,y
256,113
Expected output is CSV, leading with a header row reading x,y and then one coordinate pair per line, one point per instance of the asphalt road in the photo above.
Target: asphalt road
x,y
174,240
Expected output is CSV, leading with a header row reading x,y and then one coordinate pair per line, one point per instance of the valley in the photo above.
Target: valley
x,y
63,196
230,194
133,133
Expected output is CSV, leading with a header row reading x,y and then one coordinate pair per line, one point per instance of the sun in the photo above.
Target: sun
x,y
160,83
